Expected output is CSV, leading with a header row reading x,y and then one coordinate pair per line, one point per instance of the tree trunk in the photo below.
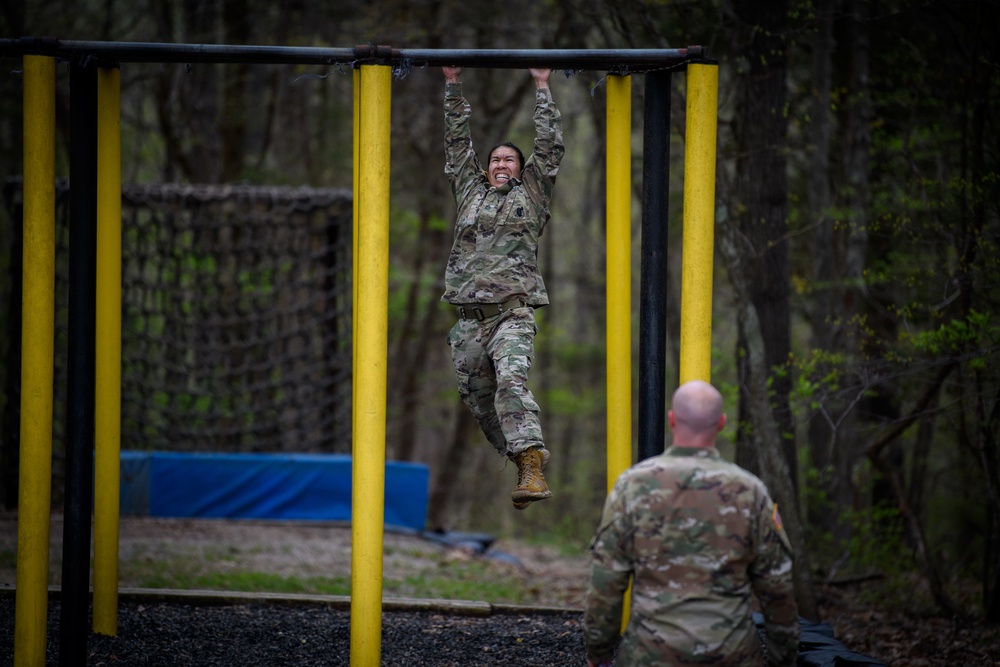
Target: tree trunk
x,y
760,129
764,429
914,528
450,469
856,174
413,341
821,426
986,447
234,84
920,459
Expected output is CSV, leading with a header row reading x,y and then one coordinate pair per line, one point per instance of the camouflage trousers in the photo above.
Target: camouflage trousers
x,y
492,358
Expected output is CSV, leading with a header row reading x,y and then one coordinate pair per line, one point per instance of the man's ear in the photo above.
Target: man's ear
x,y
672,419
722,421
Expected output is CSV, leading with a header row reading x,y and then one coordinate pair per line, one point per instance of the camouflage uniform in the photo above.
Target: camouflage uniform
x,y
493,261
699,537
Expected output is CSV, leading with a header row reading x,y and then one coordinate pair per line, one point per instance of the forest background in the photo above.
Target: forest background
x,y
855,327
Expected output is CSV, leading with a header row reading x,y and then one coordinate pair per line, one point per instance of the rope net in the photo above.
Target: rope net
x,y
236,318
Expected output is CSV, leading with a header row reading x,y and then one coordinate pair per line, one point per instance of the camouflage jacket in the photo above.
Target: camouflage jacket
x,y
494,256
699,537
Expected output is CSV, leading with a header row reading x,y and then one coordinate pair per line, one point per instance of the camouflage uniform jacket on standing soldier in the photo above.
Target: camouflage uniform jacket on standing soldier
x,y
494,260
700,536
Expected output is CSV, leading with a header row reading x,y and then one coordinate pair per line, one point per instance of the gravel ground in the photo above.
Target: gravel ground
x,y
165,634
202,629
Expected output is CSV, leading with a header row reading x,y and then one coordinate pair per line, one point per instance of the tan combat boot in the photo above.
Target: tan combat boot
x,y
531,484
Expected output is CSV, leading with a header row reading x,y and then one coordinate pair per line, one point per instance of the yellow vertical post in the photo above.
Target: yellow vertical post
x,y
619,276
354,230
699,222
37,350
619,284
371,344
355,198
108,352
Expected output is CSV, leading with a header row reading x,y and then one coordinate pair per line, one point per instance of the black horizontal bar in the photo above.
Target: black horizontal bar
x,y
148,52
593,59
632,60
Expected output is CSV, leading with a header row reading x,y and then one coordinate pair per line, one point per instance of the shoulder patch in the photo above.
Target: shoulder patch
x,y
779,528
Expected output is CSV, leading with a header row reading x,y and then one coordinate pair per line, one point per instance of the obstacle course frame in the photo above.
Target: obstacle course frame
x,y
93,401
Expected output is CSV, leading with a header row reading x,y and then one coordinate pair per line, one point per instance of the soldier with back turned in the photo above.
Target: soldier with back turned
x,y
699,538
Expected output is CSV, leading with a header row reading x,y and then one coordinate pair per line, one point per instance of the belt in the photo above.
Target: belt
x,y
483,311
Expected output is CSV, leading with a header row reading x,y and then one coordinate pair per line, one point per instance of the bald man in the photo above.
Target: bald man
x,y
700,538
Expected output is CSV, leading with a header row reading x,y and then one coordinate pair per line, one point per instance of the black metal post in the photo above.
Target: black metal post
x,y
653,280
74,625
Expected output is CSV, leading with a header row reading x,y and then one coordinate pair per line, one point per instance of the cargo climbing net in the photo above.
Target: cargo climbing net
x,y
236,317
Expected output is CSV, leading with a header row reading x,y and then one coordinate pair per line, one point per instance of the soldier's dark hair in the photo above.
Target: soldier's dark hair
x,y
507,144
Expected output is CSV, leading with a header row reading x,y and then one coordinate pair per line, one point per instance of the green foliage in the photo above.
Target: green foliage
x,y
404,284
815,500
878,546
817,375
958,528
404,225
570,353
815,483
877,541
977,335
565,401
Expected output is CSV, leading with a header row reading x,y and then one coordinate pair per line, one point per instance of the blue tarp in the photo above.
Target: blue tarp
x,y
135,483
263,486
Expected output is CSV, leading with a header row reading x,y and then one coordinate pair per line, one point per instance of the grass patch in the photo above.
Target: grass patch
x,y
462,581
442,588
189,571
413,573
249,582
567,545
472,580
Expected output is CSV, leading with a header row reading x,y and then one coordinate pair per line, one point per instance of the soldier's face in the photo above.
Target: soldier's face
x,y
503,166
